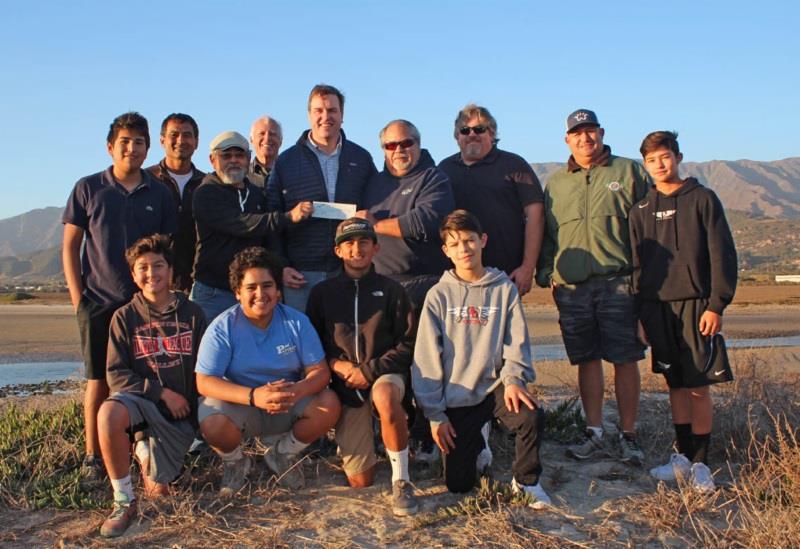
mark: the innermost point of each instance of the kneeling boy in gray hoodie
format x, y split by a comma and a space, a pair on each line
472, 360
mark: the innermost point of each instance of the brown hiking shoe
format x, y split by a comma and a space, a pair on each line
120, 518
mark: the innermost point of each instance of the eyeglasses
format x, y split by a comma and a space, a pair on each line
478, 130
394, 145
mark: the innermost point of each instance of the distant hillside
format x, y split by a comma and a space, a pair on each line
766, 245
42, 266
35, 230
769, 189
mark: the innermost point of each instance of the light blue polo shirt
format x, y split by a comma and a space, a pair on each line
235, 349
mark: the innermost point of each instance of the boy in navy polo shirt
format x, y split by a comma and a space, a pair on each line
110, 211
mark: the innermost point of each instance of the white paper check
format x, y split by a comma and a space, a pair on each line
333, 210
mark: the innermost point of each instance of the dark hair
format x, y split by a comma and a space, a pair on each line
459, 220
323, 90
158, 244
129, 121
254, 257
180, 118
660, 140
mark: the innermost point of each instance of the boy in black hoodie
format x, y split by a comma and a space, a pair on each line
366, 325
152, 350
685, 275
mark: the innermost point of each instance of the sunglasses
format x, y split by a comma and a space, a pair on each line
394, 145
478, 130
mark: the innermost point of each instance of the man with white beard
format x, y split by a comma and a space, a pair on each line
231, 214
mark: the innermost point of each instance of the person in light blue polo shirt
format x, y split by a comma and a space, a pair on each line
261, 370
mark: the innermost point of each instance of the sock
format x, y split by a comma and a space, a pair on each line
701, 443
235, 455
627, 435
683, 439
598, 431
399, 461
123, 489
288, 445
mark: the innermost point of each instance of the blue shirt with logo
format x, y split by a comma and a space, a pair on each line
237, 350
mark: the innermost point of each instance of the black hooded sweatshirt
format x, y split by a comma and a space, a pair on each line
682, 247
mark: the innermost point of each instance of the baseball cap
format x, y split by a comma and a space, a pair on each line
228, 140
353, 227
581, 117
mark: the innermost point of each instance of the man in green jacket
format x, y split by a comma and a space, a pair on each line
586, 259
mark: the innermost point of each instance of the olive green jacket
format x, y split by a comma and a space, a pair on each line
586, 219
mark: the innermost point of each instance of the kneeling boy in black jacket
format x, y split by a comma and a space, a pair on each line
366, 325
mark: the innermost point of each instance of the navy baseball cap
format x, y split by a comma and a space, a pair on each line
581, 117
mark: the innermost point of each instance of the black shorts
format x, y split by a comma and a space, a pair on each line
685, 357
93, 323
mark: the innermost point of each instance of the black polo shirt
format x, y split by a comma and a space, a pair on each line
112, 220
496, 189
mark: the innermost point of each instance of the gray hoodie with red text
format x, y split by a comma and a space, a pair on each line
472, 336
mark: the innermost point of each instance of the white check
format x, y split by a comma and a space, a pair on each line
333, 210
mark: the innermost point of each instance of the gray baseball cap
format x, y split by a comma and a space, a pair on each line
581, 117
228, 140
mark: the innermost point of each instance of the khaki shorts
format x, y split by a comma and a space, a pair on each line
250, 420
354, 433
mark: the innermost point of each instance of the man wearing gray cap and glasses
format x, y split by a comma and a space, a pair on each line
231, 214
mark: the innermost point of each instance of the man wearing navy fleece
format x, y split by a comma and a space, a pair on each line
406, 202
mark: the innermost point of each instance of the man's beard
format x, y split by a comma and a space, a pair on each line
232, 176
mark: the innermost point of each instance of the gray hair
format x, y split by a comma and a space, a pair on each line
412, 129
266, 118
482, 113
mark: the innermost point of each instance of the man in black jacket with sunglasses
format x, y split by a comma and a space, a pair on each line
501, 189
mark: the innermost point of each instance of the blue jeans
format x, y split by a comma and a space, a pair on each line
298, 297
212, 300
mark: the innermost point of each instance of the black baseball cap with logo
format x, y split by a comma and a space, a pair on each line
354, 227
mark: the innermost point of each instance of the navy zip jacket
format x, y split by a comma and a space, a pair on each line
682, 247
419, 200
367, 321
296, 177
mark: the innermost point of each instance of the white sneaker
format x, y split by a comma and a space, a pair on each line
535, 491
702, 479
677, 466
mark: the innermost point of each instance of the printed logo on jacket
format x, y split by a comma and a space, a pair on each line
159, 350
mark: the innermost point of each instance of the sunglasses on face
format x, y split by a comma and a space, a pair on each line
394, 145
478, 130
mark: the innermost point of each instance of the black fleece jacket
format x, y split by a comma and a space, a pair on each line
682, 247
367, 321
228, 219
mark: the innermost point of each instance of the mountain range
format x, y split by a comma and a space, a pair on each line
762, 198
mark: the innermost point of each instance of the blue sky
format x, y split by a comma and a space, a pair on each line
724, 74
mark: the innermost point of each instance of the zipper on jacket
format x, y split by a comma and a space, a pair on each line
355, 332
587, 220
